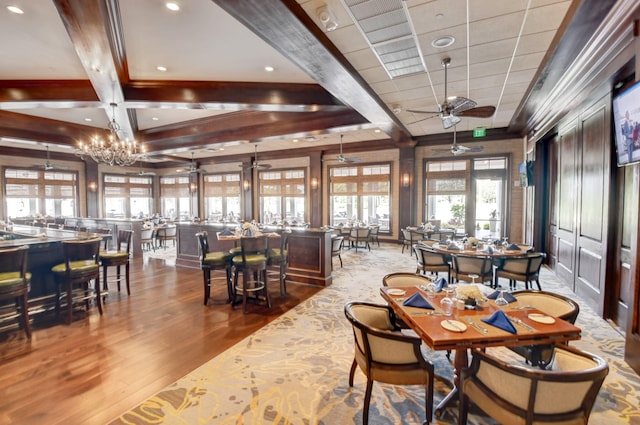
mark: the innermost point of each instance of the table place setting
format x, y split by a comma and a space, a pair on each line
542, 318
453, 325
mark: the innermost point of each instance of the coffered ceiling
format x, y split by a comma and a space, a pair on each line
194, 80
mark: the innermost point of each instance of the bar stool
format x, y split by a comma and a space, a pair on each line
278, 258
251, 261
117, 258
214, 261
81, 265
14, 282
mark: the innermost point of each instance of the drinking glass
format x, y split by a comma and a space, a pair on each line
501, 300
446, 304
430, 289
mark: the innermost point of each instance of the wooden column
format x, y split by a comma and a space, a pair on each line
316, 186
91, 190
406, 198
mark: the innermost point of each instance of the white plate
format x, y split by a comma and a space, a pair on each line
542, 318
395, 291
453, 325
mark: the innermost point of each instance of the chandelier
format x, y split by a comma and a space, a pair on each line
111, 151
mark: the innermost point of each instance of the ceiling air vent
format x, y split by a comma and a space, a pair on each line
389, 31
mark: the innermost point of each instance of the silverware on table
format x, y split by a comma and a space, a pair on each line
454, 325
426, 313
521, 323
482, 329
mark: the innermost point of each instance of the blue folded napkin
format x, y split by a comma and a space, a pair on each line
453, 247
417, 300
420, 228
436, 228
488, 250
226, 232
440, 283
501, 321
507, 296
248, 232
513, 247
443, 241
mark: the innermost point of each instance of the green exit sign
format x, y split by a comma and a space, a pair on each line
479, 132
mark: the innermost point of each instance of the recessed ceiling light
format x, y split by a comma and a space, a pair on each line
15, 9
220, 149
295, 140
310, 138
161, 68
155, 118
88, 119
377, 130
269, 68
444, 41
172, 6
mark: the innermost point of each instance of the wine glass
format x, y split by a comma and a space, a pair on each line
501, 300
430, 289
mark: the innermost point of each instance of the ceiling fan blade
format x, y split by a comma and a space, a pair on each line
415, 111
460, 104
424, 119
479, 112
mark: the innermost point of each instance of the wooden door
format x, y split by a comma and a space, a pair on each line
593, 205
568, 151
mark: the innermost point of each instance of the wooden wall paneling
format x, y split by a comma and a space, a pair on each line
594, 205
315, 195
552, 188
406, 194
622, 254
568, 166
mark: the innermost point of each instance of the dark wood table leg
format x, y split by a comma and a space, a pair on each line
461, 361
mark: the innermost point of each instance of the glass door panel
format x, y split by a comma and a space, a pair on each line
488, 214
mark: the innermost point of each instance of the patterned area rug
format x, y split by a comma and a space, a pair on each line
295, 370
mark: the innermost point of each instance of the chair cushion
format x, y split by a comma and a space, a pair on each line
113, 254
77, 267
251, 259
12, 278
216, 258
235, 250
276, 254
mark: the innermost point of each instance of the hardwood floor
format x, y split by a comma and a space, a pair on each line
98, 367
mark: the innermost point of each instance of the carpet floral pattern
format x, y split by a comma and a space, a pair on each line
295, 370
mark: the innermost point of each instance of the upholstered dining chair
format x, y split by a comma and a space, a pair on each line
336, 249
521, 268
405, 279
81, 265
117, 258
430, 260
14, 283
374, 235
359, 237
252, 263
147, 239
514, 394
384, 354
464, 266
218, 261
550, 303
165, 234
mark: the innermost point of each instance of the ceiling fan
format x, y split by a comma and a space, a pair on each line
193, 168
344, 159
457, 149
257, 165
455, 107
141, 172
48, 166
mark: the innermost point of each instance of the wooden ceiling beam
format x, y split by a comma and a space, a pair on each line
287, 28
251, 95
43, 130
93, 28
238, 127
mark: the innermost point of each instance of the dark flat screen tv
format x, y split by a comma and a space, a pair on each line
626, 119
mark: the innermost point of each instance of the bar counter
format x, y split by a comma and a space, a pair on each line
45, 251
309, 250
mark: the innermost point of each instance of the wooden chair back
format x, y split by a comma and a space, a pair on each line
405, 279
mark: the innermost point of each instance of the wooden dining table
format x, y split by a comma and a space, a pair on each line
430, 326
497, 252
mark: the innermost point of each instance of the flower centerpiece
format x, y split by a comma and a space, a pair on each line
469, 294
473, 242
247, 229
